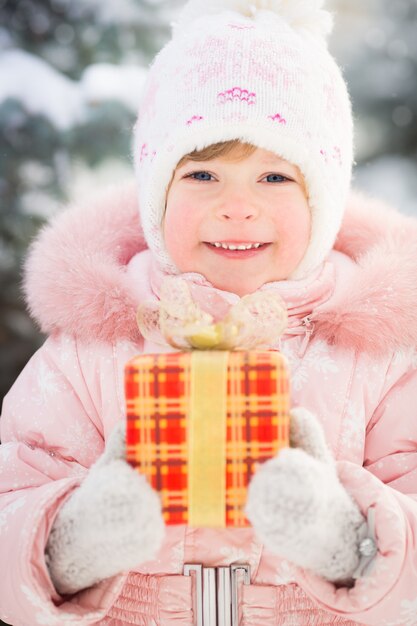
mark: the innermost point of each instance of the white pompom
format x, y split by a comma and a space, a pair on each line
307, 15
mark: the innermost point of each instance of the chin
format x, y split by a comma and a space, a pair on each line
239, 290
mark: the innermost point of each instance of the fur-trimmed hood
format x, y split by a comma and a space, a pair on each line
75, 275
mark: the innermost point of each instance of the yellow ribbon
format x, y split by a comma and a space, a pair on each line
207, 440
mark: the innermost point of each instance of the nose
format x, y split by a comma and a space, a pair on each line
238, 208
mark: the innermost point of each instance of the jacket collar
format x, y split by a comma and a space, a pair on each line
76, 277
301, 297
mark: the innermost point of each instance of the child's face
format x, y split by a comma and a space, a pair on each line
258, 199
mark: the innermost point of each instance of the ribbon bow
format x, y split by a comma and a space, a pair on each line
256, 321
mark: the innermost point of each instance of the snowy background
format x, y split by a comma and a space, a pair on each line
71, 73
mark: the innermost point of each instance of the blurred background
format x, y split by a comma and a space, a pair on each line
71, 73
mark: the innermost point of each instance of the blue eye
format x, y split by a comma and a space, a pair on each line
202, 176
276, 178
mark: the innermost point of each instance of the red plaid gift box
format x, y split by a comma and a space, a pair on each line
199, 423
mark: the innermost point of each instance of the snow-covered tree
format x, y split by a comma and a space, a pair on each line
376, 44
71, 73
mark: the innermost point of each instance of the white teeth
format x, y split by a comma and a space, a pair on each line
232, 246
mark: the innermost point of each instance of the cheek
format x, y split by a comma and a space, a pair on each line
294, 230
179, 231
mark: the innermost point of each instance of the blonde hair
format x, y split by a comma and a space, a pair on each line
233, 149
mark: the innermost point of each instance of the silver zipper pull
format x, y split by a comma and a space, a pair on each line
309, 326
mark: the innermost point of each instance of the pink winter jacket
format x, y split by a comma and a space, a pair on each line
356, 370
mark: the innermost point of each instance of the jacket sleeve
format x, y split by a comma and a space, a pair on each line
387, 482
51, 433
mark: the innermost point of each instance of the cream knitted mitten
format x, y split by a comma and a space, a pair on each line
110, 524
301, 511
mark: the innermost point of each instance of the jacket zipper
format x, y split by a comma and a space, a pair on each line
309, 326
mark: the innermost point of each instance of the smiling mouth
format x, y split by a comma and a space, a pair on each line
236, 245
237, 250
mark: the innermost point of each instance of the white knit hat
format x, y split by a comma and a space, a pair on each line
258, 71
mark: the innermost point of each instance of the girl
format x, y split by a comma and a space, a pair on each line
243, 150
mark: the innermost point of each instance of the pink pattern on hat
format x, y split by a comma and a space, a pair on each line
143, 152
235, 116
324, 155
207, 66
337, 155
202, 73
277, 118
236, 93
194, 118
332, 103
148, 105
199, 49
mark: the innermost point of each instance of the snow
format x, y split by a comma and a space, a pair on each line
104, 81
86, 181
126, 12
43, 90
40, 88
391, 178
39, 203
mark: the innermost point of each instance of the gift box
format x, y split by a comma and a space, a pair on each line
198, 425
